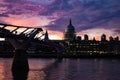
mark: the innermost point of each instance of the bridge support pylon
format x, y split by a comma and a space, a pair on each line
20, 61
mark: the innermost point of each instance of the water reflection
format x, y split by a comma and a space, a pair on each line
1, 70
5, 69
37, 75
65, 69
41, 71
84, 69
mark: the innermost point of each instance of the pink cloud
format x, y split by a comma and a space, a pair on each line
56, 35
23, 20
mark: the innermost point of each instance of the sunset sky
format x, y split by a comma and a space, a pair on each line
92, 17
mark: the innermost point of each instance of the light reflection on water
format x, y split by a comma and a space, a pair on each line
5, 66
38, 67
66, 69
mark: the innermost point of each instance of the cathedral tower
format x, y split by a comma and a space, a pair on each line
46, 36
70, 33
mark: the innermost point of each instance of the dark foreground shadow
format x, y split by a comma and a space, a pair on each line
20, 66
20, 75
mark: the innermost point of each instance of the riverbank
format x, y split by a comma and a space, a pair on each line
37, 55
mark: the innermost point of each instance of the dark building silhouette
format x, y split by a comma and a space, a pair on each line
111, 38
117, 38
86, 37
94, 39
79, 38
103, 37
70, 33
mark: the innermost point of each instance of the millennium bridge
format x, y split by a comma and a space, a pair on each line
22, 38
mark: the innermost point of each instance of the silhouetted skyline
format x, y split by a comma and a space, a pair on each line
92, 17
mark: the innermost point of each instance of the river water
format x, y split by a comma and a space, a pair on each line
65, 69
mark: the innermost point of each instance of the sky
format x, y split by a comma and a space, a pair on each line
92, 17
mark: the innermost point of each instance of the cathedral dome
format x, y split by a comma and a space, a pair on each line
70, 27
70, 33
